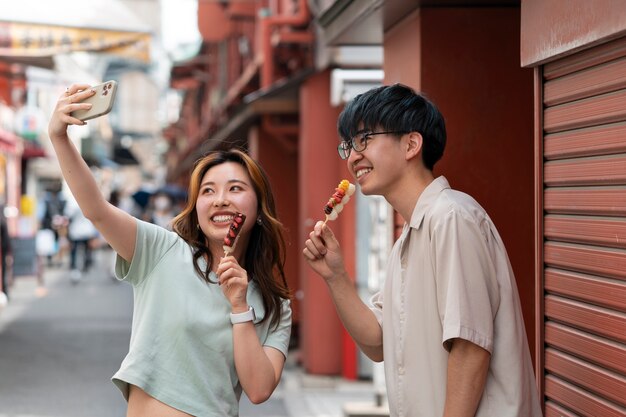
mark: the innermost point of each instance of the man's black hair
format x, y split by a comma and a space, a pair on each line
396, 108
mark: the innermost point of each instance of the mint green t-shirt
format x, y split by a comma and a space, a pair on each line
181, 345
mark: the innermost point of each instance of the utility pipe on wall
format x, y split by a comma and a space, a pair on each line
265, 33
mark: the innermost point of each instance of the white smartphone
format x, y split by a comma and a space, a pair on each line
102, 101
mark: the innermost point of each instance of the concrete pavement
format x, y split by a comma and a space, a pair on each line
60, 346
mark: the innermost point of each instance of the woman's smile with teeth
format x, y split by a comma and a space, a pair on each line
362, 172
222, 218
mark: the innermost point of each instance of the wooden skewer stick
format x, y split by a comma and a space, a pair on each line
230, 249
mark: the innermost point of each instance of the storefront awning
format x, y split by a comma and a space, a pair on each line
33, 150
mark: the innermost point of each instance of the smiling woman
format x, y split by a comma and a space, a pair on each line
224, 185
205, 327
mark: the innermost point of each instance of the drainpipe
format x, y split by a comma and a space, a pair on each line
299, 19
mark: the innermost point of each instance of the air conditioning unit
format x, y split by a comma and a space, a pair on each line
345, 84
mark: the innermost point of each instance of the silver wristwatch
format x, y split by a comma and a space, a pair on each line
243, 317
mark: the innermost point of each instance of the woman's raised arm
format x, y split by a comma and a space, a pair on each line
117, 227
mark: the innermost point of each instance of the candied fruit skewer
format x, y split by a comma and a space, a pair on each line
232, 235
340, 197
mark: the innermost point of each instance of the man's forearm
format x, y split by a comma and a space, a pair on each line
356, 317
468, 365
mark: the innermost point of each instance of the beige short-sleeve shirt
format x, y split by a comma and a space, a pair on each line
449, 277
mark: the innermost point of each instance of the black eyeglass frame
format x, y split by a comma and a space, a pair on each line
345, 148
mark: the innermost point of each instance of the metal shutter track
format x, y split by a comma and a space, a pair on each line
584, 226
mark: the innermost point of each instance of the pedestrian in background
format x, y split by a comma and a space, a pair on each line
81, 234
206, 326
161, 210
53, 225
448, 322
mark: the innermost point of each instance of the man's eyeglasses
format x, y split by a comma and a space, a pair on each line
359, 142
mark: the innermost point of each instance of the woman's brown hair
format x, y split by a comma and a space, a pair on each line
265, 255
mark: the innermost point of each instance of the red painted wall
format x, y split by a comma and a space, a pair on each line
469, 66
322, 335
12, 76
5, 87
403, 50
282, 170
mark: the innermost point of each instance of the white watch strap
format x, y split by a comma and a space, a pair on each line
243, 317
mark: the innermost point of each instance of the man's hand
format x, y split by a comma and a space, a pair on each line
323, 253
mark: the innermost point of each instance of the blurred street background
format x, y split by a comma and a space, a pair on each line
193, 76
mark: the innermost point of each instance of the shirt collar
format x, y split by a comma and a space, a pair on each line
426, 199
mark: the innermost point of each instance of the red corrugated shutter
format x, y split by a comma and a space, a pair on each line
584, 230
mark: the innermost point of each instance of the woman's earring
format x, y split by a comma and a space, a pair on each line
259, 221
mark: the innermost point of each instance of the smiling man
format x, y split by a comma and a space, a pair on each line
448, 323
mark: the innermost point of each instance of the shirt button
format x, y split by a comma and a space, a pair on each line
401, 370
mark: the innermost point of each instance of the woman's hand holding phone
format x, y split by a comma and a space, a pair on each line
102, 101
68, 102
79, 103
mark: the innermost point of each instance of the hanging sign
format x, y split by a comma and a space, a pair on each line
35, 40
